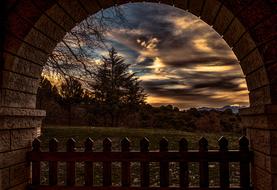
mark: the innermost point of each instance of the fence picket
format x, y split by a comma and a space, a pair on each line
36, 164
88, 165
203, 164
164, 165
224, 164
70, 166
107, 168
144, 166
53, 166
183, 156
184, 177
244, 163
125, 166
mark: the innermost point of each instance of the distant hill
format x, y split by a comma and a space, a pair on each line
235, 109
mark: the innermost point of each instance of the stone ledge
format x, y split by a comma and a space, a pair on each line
22, 112
259, 110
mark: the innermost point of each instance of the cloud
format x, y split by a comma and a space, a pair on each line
180, 59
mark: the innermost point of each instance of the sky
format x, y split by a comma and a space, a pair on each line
179, 58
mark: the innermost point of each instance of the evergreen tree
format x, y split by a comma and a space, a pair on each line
115, 87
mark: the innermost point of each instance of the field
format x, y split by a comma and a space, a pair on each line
154, 136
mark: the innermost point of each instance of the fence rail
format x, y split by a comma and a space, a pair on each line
184, 156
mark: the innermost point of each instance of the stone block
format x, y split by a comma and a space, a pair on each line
19, 174
5, 141
24, 67
20, 122
271, 72
223, 20
60, 18
210, 10
236, 6
21, 138
266, 30
74, 9
234, 32
244, 46
195, 7
257, 121
257, 79
262, 179
181, 4
251, 62
110, 3
12, 98
4, 178
11, 44
12, 158
269, 51
42, 41
20, 83
22, 186
260, 96
50, 28
91, 6
38, 56
260, 140
18, 26
28, 10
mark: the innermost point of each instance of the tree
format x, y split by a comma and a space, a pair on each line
71, 93
74, 55
45, 92
115, 87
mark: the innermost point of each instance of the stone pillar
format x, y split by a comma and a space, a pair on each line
18, 127
261, 127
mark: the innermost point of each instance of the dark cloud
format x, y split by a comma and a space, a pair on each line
185, 47
212, 61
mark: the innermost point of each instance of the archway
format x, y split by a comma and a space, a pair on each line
34, 28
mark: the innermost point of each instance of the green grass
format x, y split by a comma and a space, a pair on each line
135, 135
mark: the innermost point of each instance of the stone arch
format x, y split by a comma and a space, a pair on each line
33, 28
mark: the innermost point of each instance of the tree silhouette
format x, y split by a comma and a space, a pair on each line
115, 87
71, 93
45, 92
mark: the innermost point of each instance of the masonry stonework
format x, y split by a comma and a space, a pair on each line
248, 26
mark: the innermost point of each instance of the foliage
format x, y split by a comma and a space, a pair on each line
71, 92
45, 92
115, 88
75, 55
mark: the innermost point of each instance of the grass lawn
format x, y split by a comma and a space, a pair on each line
63, 133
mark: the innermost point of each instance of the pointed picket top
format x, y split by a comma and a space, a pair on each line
125, 144
144, 144
243, 143
107, 144
203, 144
36, 145
88, 145
70, 145
164, 145
223, 144
183, 145
53, 145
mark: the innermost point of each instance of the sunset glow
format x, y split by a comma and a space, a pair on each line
179, 59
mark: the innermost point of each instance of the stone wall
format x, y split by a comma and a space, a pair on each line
33, 28
18, 129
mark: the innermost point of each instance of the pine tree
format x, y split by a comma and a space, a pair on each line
116, 87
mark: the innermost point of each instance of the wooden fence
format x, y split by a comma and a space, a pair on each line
203, 156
